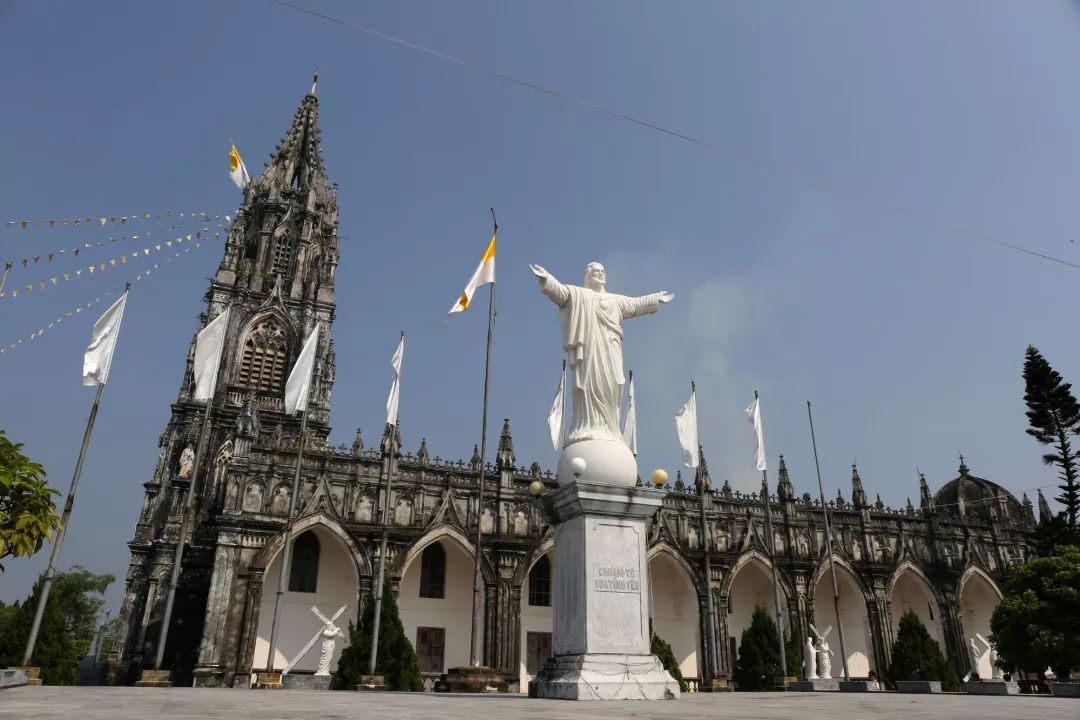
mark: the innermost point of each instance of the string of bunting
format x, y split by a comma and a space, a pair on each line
49, 257
105, 220
80, 308
112, 262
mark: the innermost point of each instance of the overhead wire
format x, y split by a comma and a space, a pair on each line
730, 152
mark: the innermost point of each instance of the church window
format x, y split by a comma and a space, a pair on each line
262, 365
433, 572
304, 573
284, 249
540, 583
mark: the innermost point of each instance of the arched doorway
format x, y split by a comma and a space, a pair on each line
978, 598
536, 618
751, 586
852, 615
673, 607
322, 572
910, 592
435, 604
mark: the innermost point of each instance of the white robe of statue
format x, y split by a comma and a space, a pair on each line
590, 320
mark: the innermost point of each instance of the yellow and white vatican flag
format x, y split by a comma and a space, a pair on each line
629, 430
686, 427
298, 386
237, 170
753, 414
209, 344
99, 353
395, 388
555, 414
485, 273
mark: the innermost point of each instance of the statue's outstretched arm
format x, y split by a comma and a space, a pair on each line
550, 286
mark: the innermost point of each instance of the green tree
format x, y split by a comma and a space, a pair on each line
660, 647
397, 661
54, 652
793, 645
759, 657
1054, 415
917, 656
27, 511
1037, 622
81, 597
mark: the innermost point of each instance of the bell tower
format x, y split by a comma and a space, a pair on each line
276, 278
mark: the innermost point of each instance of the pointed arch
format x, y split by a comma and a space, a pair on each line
972, 570
542, 548
273, 547
665, 548
909, 566
443, 532
264, 353
823, 569
755, 555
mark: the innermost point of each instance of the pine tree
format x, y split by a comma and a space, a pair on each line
759, 658
793, 645
1054, 415
917, 656
397, 661
55, 651
663, 652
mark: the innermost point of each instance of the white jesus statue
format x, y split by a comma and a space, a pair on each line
590, 319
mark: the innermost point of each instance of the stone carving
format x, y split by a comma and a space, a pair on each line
809, 660
976, 655
998, 673
329, 634
590, 319
824, 654
187, 463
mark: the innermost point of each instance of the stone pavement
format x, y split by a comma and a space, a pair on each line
107, 703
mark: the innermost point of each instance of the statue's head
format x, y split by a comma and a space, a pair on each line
595, 278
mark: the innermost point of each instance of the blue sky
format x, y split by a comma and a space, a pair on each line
908, 337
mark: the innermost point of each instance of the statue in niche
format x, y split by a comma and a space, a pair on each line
232, 490
187, 463
247, 422
363, 509
824, 654
279, 505
809, 660
253, 498
590, 320
521, 523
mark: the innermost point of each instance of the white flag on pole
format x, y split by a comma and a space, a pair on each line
753, 414
208, 346
555, 414
629, 430
99, 353
298, 386
395, 387
686, 427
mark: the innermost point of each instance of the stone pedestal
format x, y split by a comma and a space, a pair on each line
816, 685
991, 687
371, 683
267, 680
923, 687
601, 643
303, 681
13, 677
32, 673
1065, 689
860, 686
155, 678
473, 679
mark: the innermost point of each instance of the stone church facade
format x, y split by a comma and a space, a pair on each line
945, 559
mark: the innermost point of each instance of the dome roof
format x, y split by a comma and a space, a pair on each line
975, 497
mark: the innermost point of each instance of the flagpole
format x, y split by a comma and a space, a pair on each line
388, 462
772, 558
828, 545
50, 572
474, 659
284, 567
185, 524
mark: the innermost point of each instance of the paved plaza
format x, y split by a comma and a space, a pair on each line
112, 703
